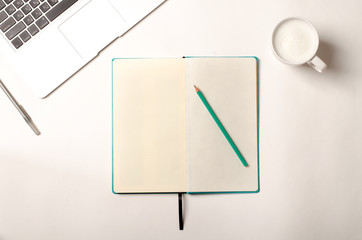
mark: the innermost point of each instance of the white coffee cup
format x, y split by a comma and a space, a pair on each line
295, 42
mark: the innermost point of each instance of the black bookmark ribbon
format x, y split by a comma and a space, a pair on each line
180, 218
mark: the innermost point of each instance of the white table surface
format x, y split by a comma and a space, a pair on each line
58, 185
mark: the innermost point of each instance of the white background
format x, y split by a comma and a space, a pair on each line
58, 185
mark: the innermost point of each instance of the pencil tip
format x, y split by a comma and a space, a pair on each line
196, 88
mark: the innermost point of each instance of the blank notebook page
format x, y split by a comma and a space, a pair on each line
230, 87
149, 125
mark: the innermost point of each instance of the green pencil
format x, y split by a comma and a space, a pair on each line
223, 130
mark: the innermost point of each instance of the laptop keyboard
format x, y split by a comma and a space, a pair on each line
20, 20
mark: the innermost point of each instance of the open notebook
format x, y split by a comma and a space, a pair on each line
164, 139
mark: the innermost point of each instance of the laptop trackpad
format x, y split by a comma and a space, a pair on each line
93, 27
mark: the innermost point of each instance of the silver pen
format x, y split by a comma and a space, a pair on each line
20, 108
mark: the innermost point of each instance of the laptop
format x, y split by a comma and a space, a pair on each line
47, 41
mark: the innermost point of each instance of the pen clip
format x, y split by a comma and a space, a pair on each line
29, 121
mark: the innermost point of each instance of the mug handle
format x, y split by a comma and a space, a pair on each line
317, 64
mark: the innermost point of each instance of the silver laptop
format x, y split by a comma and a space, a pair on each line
47, 41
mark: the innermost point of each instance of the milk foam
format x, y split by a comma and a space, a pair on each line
295, 41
